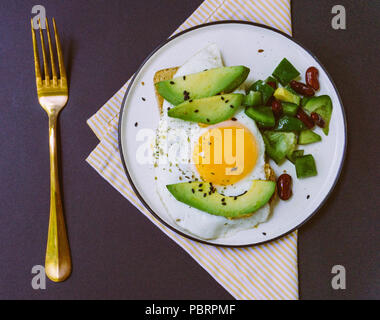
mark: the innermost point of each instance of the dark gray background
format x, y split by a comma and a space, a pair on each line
117, 253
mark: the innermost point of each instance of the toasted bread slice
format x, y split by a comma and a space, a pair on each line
167, 74
162, 75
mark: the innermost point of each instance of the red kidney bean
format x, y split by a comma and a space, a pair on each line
312, 75
272, 84
284, 186
303, 116
302, 88
318, 120
269, 103
277, 108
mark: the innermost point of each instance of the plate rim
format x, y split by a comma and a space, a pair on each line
157, 216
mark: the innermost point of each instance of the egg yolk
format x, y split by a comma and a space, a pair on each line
225, 154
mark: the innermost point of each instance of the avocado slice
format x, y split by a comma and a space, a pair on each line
204, 196
323, 106
285, 95
210, 110
202, 84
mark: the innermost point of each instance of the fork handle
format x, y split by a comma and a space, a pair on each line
58, 259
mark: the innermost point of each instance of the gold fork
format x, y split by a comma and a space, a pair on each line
53, 96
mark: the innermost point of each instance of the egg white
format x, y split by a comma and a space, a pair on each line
173, 166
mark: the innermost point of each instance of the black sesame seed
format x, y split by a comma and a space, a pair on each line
184, 77
224, 199
264, 234
204, 195
201, 185
192, 190
196, 111
208, 120
234, 119
308, 197
222, 98
227, 101
235, 198
231, 106
224, 204
172, 82
186, 95
136, 124
200, 190
143, 99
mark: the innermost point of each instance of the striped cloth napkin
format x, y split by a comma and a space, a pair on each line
266, 272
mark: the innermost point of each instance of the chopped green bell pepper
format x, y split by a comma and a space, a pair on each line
294, 155
285, 72
262, 115
289, 109
252, 99
323, 106
308, 137
265, 89
278, 145
305, 166
287, 124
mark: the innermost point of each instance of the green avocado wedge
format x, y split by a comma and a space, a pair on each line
323, 106
202, 84
210, 110
285, 95
204, 197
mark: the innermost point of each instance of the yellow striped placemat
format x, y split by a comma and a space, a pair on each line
268, 271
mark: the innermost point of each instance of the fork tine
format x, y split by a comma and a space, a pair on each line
62, 70
53, 69
46, 70
36, 56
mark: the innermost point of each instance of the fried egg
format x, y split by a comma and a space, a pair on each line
230, 155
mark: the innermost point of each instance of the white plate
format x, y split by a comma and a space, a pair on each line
239, 44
